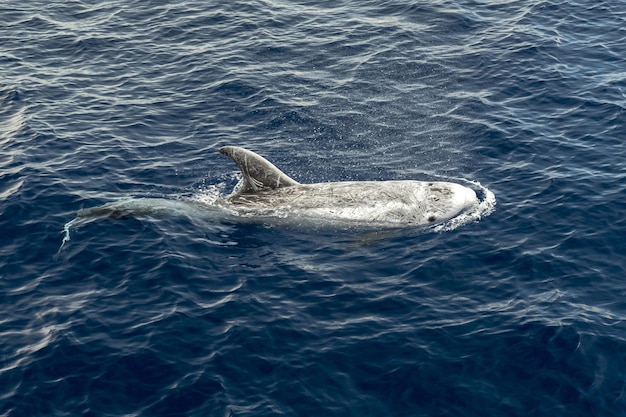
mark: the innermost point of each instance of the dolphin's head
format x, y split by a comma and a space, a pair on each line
462, 198
470, 198
448, 200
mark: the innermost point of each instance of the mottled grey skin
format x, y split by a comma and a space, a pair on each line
268, 195
266, 191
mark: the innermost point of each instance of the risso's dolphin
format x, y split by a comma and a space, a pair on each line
265, 194
266, 191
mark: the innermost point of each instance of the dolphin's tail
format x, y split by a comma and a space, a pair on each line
138, 207
132, 208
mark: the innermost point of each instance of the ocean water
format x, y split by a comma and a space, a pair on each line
518, 312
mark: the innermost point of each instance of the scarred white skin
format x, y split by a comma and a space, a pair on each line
266, 191
266, 194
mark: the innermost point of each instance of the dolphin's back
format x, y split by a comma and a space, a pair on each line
369, 202
268, 192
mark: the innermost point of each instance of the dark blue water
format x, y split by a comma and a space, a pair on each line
519, 313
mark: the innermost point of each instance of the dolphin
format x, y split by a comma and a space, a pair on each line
266, 191
266, 194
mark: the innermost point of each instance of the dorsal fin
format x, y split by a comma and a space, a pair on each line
258, 173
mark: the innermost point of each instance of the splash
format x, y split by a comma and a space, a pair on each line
72, 224
66, 233
209, 195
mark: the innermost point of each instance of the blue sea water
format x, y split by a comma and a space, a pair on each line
520, 312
